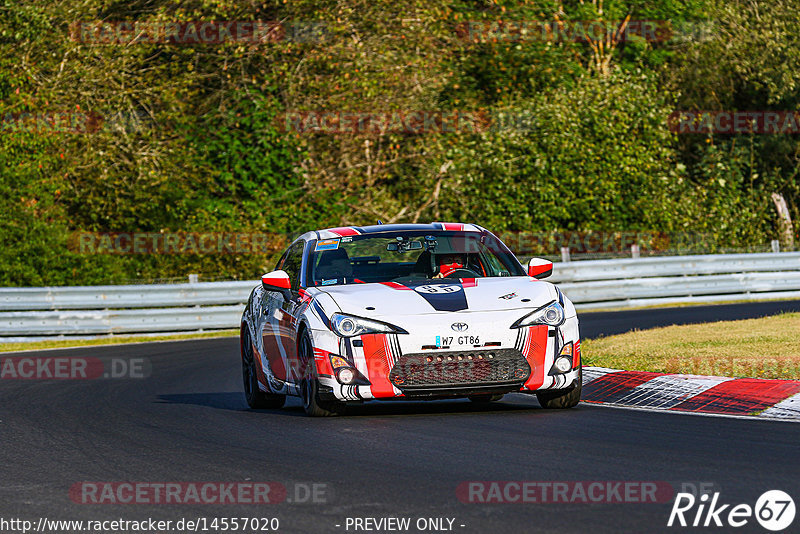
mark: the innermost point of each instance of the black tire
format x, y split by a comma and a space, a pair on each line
255, 398
560, 398
309, 385
485, 399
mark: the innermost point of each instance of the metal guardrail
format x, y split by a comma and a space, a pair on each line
119, 321
98, 310
138, 296
592, 270
679, 279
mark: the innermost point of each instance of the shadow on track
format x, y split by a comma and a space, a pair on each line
234, 401
221, 401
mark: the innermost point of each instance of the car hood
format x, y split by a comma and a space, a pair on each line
392, 299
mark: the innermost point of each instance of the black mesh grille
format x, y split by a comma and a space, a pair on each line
471, 367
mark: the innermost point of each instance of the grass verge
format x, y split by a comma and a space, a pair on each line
768, 347
116, 340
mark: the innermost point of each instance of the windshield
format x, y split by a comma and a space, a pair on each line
409, 256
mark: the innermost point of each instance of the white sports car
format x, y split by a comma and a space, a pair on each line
407, 311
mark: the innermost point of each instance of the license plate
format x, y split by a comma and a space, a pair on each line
465, 340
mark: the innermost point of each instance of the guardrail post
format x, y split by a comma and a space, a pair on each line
565, 254
193, 278
634, 251
776, 245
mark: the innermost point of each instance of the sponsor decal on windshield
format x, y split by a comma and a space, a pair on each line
327, 244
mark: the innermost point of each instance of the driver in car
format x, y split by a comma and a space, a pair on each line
448, 264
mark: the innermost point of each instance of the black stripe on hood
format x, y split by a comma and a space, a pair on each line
442, 296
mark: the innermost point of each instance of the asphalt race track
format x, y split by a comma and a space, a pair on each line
188, 421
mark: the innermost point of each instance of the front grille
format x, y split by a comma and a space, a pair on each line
462, 368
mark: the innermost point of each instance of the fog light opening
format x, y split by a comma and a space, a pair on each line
346, 375
563, 364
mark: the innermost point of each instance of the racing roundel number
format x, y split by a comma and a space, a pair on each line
438, 289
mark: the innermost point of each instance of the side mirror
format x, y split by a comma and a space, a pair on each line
276, 281
539, 268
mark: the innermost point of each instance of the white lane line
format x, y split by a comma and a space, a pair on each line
694, 414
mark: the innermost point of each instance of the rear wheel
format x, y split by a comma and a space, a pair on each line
253, 395
309, 385
485, 399
560, 398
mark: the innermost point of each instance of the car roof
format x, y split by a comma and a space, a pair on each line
342, 231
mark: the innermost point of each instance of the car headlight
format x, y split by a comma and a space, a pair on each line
551, 314
350, 326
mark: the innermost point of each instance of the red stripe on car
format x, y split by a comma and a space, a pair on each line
271, 348
344, 231
395, 285
323, 362
535, 351
376, 353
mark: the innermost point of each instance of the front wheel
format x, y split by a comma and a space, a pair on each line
253, 395
309, 385
560, 398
